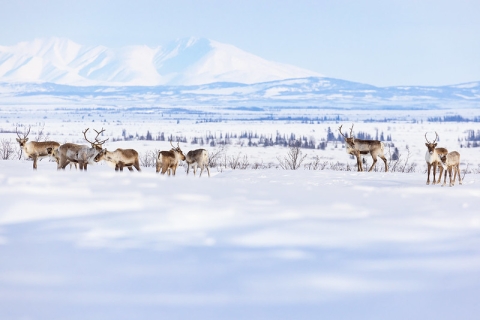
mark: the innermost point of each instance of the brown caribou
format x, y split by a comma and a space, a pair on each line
75, 153
120, 158
168, 160
432, 157
357, 147
198, 158
449, 162
35, 150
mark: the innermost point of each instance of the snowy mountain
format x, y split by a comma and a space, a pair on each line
182, 62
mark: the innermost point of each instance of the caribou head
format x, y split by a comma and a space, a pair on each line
431, 145
178, 150
349, 141
20, 140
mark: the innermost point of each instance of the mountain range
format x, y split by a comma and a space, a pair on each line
316, 92
188, 61
195, 72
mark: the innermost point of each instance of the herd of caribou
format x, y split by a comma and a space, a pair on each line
435, 157
82, 155
167, 161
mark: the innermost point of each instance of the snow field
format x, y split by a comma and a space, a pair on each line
242, 244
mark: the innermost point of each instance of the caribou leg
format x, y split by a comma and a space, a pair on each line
208, 170
428, 171
445, 178
440, 169
164, 169
137, 165
373, 164
450, 176
34, 157
459, 178
359, 161
385, 161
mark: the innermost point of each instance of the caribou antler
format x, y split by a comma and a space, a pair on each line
426, 137
25, 135
97, 142
85, 135
436, 137
351, 133
340, 130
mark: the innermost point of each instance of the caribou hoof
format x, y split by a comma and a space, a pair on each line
428, 182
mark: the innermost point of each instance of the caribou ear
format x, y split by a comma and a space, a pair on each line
18, 140
426, 144
435, 145
26, 139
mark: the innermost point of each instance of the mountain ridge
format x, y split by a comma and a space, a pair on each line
321, 92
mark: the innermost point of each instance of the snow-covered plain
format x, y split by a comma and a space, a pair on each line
243, 244
249, 244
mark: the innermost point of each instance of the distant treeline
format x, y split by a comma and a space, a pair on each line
253, 139
472, 140
454, 118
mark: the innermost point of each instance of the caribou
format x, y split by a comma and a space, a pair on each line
357, 147
120, 158
198, 158
75, 153
168, 160
35, 150
433, 158
451, 161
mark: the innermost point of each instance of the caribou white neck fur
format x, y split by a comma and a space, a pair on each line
431, 157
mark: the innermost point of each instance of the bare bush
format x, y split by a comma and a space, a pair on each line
41, 135
148, 158
339, 166
401, 164
234, 161
245, 163
258, 165
468, 170
7, 149
316, 164
215, 156
293, 160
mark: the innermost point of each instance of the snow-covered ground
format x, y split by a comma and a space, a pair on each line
243, 244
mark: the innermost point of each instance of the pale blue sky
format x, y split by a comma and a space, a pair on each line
378, 42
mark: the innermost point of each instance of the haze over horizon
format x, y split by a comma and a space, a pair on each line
375, 42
